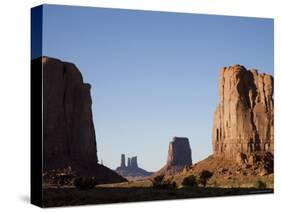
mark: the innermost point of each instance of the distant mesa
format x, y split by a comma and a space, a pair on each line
132, 171
179, 157
243, 121
69, 138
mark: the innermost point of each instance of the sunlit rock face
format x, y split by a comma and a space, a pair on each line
244, 118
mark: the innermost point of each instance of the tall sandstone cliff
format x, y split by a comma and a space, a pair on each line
68, 130
243, 120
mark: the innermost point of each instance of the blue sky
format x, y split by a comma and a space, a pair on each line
153, 74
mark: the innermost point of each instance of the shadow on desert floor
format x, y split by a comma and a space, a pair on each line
71, 196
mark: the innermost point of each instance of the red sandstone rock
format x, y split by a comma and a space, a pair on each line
179, 153
244, 121
68, 130
179, 157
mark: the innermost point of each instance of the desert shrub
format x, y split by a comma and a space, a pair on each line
159, 182
260, 184
61, 180
64, 179
59, 177
268, 162
190, 181
174, 185
205, 175
85, 183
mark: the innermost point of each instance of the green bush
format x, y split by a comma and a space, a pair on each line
205, 175
260, 184
158, 182
190, 181
85, 183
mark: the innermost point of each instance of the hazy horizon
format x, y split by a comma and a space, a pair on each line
154, 75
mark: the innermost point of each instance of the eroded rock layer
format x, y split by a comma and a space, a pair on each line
243, 120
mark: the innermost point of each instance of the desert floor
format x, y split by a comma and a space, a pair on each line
71, 196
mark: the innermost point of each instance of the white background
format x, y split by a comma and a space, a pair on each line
15, 102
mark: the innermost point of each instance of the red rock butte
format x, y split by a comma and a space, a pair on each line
179, 157
244, 118
68, 130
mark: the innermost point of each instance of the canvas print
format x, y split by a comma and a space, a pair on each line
132, 105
